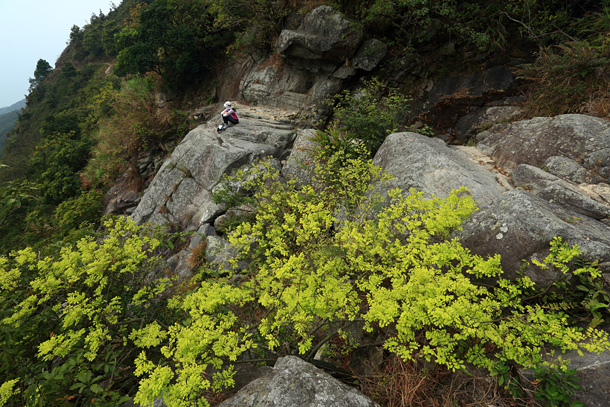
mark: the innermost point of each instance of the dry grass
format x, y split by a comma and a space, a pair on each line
197, 257
137, 125
400, 384
569, 78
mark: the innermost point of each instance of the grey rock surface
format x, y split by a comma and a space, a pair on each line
317, 53
370, 54
324, 34
566, 168
296, 383
584, 139
553, 189
428, 164
484, 117
298, 166
181, 191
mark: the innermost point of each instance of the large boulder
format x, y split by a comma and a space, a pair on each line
429, 165
520, 226
296, 383
299, 167
583, 139
181, 191
325, 34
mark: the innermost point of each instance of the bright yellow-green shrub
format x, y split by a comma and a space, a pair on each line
317, 267
65, 319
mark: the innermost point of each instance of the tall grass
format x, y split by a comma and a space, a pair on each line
135, 125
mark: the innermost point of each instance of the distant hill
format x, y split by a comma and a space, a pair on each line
8, 119
13, 107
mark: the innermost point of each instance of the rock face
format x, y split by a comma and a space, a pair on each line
296, 383
298, 166
463, 105
324, 35
520, 226
181, 191
316, 57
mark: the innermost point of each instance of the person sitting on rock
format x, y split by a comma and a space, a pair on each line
229, 115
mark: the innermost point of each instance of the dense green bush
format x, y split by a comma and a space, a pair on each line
65, 318
256, 23
71, 213
366, 116
570, 78
174, 38
131, 125
476, 25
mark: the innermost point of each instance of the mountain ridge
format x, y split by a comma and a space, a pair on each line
15, 106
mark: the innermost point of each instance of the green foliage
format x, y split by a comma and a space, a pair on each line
367, 116
92, 36
13, 195
65, 319
42, 71
7, 124
7, 390
56, 163
175, 38
73, 212
556, 387
579, 291
257, 23
477, 25
570, 78
322, 259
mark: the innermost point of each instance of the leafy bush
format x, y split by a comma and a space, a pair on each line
257, 23
64, 319
56, 163
367, 116
557, 387
479, 26
316, 267
71, 213
14, 194
174, 38
583, 296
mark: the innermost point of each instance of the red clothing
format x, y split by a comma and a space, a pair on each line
230, 112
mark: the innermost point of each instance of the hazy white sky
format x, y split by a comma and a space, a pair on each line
34, 29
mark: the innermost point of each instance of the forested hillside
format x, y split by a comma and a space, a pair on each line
90, 313
8, 119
